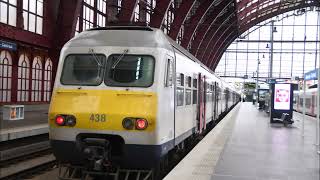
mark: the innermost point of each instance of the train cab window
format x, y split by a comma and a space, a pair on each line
130, 70
83, 69
169, 73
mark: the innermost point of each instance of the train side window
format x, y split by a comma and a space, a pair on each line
189, 81
180, 89
188, 96
182, 79
308, 102
195, 91
169, 73
188, 90
195, 84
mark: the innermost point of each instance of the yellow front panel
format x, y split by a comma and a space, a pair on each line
116, 105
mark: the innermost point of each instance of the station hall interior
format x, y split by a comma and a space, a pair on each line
160, 89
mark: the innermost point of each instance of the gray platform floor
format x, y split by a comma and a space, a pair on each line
260, 151
35, 122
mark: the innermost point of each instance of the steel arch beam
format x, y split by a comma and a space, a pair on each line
215, 40
208, 23
255, 15
255, 5
208, 38
220, 38
127, 11
160, 10
67, 22
222, 47
195, 20
214, 32
228, 42
183, 11
245, 26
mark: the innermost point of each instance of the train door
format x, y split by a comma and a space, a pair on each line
212, 100
201, 120
215, 100
195, 98
168, 95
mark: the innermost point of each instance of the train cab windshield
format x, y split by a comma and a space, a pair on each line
119, 70
129, 70
83, 69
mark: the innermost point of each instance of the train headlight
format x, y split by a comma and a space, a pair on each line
60, 120
71, 120
128, 123
141, 124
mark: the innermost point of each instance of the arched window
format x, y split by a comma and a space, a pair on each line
5, 76
36, 79
47, 79
23, 78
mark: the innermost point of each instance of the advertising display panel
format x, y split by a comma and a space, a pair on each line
281, 103
282, 99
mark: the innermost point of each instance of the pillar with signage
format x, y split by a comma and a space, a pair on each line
281, 103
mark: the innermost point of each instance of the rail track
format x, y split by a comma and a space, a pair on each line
25, 157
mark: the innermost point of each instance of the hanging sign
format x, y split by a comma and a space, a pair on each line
311, 75
8, 45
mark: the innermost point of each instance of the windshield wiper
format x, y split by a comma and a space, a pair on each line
94, 55
119, 59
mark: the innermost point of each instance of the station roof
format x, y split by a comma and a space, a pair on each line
210, 26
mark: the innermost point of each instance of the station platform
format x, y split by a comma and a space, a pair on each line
245, 146
35, 122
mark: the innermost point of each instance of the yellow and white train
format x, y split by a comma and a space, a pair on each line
128, 96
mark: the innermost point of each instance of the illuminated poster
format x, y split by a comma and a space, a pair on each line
282, 96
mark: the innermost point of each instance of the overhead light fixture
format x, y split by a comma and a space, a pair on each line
267, 47
274, 29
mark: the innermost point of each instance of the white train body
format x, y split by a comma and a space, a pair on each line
311, 101
172, 104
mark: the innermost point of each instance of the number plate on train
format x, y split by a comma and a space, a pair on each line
98, 118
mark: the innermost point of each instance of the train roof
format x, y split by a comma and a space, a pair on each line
118, 36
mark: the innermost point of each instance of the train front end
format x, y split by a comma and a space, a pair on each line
104, 108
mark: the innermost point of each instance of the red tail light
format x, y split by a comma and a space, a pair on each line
141, 124
60, 120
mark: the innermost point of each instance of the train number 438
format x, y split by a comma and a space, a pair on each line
98, 118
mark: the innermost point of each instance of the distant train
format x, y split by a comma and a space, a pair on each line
127, 96
311, 101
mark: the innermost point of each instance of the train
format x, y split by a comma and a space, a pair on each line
129, 96
311, 101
